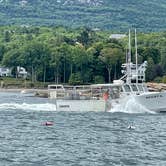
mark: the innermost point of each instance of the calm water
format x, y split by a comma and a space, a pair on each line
77, 138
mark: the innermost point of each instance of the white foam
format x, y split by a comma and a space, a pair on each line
28, 107
125, 105
129, 105
131, 127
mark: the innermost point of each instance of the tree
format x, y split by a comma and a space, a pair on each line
81, 59
150, 72
56, 63
152, 52
75, 79
12, 59
64, 52
2, 51
110, 56
35, 57
163, 58
87, 36
7, 36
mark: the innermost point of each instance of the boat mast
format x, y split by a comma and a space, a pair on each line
128, 81
136, 56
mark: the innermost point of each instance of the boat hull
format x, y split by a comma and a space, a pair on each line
80, 105
154, 101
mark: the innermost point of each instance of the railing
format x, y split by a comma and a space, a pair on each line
82, 92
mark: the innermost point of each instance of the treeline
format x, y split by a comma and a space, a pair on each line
77, 56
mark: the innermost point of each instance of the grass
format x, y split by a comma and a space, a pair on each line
9, 82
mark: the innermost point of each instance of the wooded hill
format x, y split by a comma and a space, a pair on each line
116, 15
79, 56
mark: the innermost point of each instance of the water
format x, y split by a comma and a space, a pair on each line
77, 138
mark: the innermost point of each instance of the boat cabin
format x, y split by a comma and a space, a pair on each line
134, 88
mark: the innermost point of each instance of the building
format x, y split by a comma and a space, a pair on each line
21, 72
117, 36
5, 72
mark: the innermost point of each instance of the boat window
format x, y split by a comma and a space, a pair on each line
55, 86
134, 88
127, 88
140, 88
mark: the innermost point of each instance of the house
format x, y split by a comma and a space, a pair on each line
117, 36
5, 72
21, 72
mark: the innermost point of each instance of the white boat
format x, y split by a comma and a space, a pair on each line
77, 98
132, 84
90, 97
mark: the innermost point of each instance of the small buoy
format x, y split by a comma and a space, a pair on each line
131, 127
48, 123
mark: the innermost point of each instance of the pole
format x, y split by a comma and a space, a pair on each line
129, 62
136, 56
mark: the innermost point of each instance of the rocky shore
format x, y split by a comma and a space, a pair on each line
156, 86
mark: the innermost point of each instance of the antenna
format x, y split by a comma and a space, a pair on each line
136, 56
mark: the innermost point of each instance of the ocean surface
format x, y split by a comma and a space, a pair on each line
78, 138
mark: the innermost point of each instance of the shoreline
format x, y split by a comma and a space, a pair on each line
37, 92
152, 86
22, 89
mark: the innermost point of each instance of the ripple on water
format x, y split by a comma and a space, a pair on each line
79, 138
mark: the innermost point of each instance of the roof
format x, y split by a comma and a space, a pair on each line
117, 36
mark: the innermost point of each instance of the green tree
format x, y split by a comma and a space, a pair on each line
56, 63
110, 57
163, 58
12, 59
75, 79
2, 51
150, 72
35, 57
7, 36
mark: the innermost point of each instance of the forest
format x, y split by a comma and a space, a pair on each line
78, 56
114, 15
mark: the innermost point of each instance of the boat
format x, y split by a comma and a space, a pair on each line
77, 98
132, 85
105, 97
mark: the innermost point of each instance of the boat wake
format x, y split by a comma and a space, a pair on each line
28, 107
129, 105
126, 105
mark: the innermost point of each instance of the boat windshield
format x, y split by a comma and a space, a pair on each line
127, 88
134, 88
140, 88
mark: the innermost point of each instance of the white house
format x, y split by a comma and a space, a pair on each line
117, 36
21, 72
5, 72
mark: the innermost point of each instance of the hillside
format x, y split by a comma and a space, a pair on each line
119, 15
